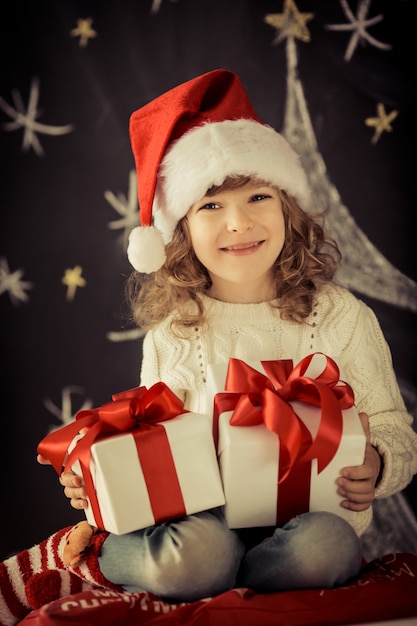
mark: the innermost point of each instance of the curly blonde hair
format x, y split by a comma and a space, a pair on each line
309, 258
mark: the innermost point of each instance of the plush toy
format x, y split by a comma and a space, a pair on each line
77, 543
63, 564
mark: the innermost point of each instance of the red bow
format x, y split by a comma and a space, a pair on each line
137, 410
256, 399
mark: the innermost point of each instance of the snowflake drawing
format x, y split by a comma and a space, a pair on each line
358, 25
127, 208
26, 118
13, 284
65, 413
132, 334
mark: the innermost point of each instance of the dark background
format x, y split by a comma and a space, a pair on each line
59, 196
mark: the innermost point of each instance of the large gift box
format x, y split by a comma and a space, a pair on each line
144, 459
283, 434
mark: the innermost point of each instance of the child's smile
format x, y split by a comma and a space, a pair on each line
243, 248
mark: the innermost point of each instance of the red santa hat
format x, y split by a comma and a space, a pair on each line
191, 138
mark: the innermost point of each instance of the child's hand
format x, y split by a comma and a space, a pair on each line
73, 485
74, 489
41, 459
357, 484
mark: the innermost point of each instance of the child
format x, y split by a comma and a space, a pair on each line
229, 263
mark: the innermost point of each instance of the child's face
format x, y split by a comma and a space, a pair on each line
237, 234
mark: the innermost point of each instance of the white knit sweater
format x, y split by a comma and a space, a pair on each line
341, 326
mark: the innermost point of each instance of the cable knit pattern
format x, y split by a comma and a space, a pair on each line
340, 325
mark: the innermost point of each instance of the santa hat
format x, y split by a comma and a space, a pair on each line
191, 138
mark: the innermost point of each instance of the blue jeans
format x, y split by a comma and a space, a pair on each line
199, 556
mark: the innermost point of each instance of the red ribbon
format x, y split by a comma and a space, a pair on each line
325, 391
137, 411
255, 399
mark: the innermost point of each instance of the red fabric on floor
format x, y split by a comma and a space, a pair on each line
386, 589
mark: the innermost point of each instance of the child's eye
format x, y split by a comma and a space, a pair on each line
259, 196
209, 206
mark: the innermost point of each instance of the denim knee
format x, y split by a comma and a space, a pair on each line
190, 559
196, 564
332, 549
314, 550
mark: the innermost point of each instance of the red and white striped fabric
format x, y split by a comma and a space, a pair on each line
38, 575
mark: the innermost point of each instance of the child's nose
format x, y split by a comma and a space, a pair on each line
239, 220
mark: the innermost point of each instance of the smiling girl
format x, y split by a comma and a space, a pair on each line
230, 263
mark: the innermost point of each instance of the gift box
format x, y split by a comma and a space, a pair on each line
283, 434
144, 460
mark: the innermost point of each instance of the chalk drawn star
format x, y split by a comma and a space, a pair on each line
127, 208
84, 31
65, 413
382, 122
26, 118
358, 25
290, 23
73, 279
12, 283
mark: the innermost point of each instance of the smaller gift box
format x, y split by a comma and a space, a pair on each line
143, 458
283, 434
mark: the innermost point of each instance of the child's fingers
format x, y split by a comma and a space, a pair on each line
41, 459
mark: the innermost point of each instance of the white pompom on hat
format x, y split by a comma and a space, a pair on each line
191, 138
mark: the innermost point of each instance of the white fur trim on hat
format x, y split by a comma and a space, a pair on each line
207, 154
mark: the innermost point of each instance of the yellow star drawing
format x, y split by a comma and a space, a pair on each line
73, 279
84, 31
381, 122
290, 23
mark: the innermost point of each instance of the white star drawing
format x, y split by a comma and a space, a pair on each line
12, 283
126, 207
26, 118
65, 413
358, 25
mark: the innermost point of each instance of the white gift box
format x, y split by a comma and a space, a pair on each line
119, 479
249, 459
